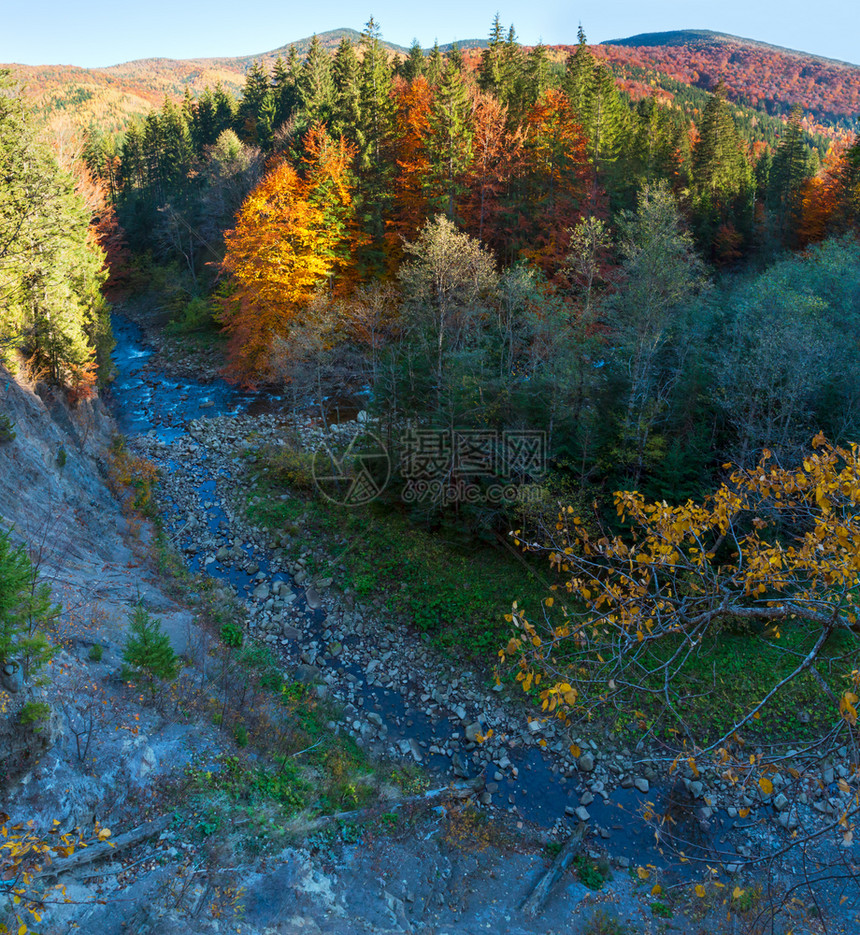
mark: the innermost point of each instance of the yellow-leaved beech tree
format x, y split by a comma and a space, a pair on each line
773, 555
294, 237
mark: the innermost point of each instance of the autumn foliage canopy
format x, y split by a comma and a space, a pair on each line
293, 234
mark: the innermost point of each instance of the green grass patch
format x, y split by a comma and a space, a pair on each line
730, 674
458, 594
591, 873
35, 712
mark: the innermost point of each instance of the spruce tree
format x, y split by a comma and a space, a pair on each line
722, 182
719, 162
188, 107
413, 65
153, 156
579, 78
132, 165
435, 65
203, 122
450, 146
316, 89
490, 69
148, 655
455, 57
607, 118
176, 147
788, 171
224, 110
346, 72
511, 86
255, 95
284, 90
537, 74
374, 130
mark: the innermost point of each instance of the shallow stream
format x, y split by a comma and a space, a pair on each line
146, 400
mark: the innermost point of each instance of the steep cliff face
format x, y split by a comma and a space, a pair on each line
52, 486
55, 500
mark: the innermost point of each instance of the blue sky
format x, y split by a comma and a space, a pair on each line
103, 32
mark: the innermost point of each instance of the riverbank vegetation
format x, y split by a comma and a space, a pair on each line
529, 279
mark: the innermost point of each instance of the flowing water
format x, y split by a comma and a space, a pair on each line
145, 400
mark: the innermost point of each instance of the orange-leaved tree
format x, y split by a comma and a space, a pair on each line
826, 198
293, 236
497, 152
557, 179
773, 554
412, 131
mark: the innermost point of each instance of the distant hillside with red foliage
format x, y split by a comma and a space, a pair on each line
753, 72
112, 97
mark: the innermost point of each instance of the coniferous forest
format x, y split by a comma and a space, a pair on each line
500, 239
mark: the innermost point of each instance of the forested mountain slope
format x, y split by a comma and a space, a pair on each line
763, 76
753, 72
110, 97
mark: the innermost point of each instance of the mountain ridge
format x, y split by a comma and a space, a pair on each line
329, 40
755, 73
112, 95
676, 37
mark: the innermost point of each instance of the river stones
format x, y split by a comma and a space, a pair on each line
586, 763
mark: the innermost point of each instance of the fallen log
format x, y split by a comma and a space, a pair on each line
534, 902
110, 847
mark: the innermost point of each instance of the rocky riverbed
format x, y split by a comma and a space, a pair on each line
399, 697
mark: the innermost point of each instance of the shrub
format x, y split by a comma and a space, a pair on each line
231, 635
35, 712
25, 608
241, 736
291, 467
15, 577
132, 479
590, 873
148, 654
601, 923
195, 316
7, 426
95, 653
